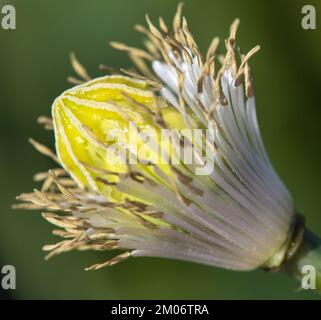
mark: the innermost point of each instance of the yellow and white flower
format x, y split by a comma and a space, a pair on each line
238, 215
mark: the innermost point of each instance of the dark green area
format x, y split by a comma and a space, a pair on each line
33, 68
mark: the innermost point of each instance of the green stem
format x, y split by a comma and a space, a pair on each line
308, 253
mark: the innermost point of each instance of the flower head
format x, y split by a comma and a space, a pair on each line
224, 207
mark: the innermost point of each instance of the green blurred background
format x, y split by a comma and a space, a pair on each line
33, 67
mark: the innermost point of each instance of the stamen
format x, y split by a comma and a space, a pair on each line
44, 150
110, 262
78, 67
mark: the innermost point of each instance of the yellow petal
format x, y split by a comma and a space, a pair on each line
85, 115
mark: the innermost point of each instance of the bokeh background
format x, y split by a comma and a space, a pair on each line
33, 67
